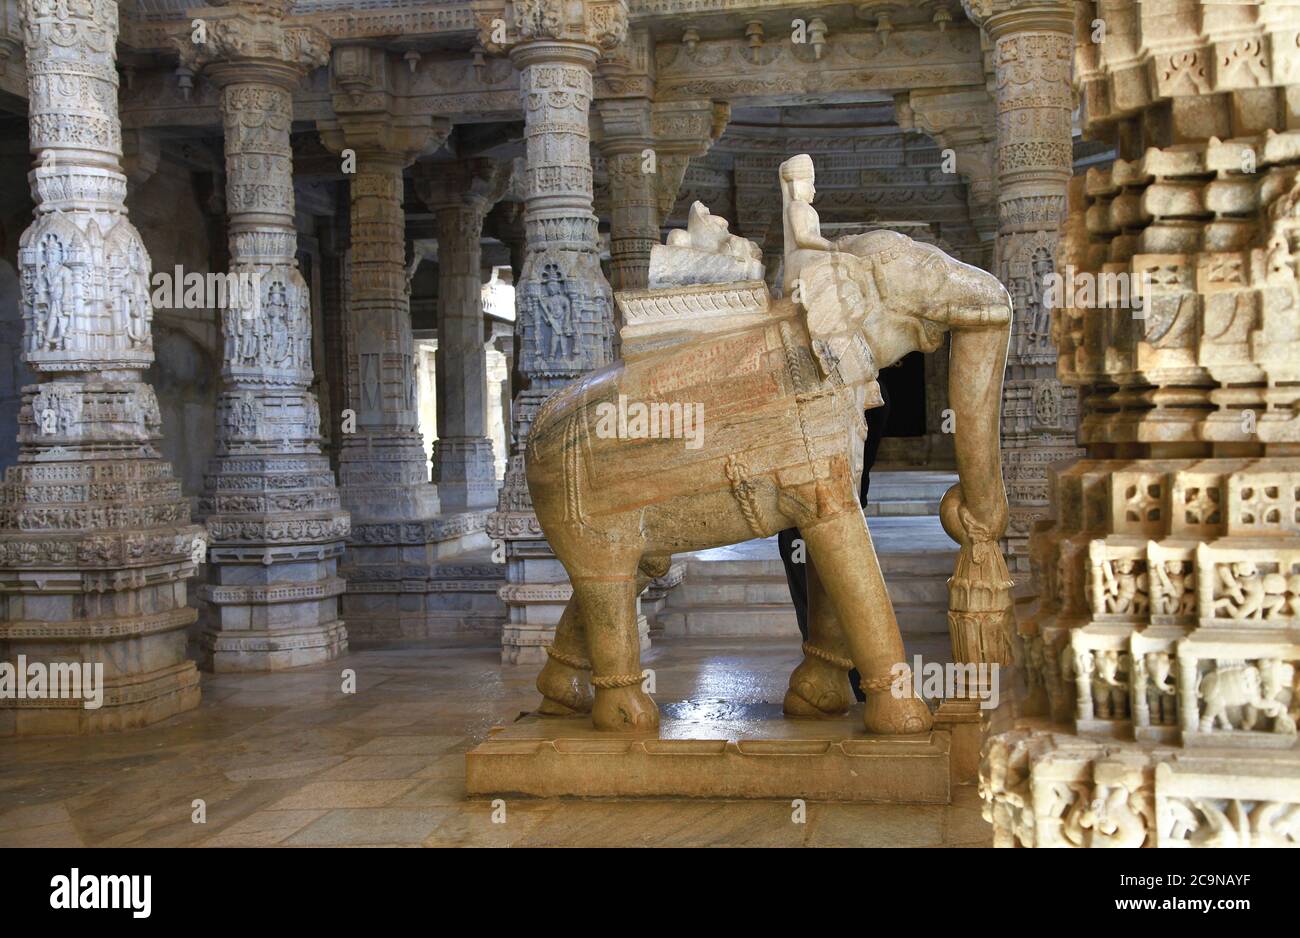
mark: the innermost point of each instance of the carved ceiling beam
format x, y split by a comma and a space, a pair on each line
460, 21
848, 68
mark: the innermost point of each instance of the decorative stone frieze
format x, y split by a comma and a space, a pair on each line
96, 541
272, 509
734, 70
1164, 635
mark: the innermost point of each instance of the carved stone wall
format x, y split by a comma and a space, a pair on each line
1165, 635
96, 541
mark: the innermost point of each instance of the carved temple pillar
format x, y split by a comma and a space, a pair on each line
564, 308
272, 510
398, 530
96, 541
631, 163
1032, 52
647, 149
461, 195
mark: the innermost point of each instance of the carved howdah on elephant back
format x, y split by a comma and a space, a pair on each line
734, 415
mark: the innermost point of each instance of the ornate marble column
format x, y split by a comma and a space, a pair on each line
962, 120
461, 195
564, 305
647, 148
269, 498
631, 163
398, 532
1032, 44
95, 538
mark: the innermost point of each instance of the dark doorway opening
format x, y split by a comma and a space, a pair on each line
905, 384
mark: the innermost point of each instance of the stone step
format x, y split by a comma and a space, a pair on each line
707, 589
741, 590
898, 494
778, 619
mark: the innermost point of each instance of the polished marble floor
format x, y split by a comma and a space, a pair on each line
290, 760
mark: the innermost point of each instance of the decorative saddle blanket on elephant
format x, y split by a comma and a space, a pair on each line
746, 410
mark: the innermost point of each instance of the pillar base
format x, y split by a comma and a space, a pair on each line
408, 580
271, 649
130, 701
465, 471
273, 588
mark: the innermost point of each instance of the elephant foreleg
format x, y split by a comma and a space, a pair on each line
608, 605
850, 573
817, 686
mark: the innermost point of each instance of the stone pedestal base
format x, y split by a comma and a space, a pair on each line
130, 701
405, 581
465, 471
961, 720
712, 749
536, 591
272, 649
655, 598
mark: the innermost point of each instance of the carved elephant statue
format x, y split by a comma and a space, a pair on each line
1246, 686
783, 402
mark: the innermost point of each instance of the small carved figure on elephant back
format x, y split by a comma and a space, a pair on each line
781, 386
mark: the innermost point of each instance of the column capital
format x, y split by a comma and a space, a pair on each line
1001, 17
601, 24
250, 41
465, 185
965, 122
367, 116
623, 125
382, 135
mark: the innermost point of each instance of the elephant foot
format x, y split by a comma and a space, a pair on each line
563, 685
892, 710
817, 686
623, 707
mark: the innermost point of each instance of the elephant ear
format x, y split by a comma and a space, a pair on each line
838, 292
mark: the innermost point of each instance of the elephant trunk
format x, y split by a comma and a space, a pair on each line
974, 512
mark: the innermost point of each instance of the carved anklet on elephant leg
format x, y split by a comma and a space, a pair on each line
891, 709
563, 685
817, 685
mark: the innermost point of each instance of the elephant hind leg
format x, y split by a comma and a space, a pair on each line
817, 685
563, 681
